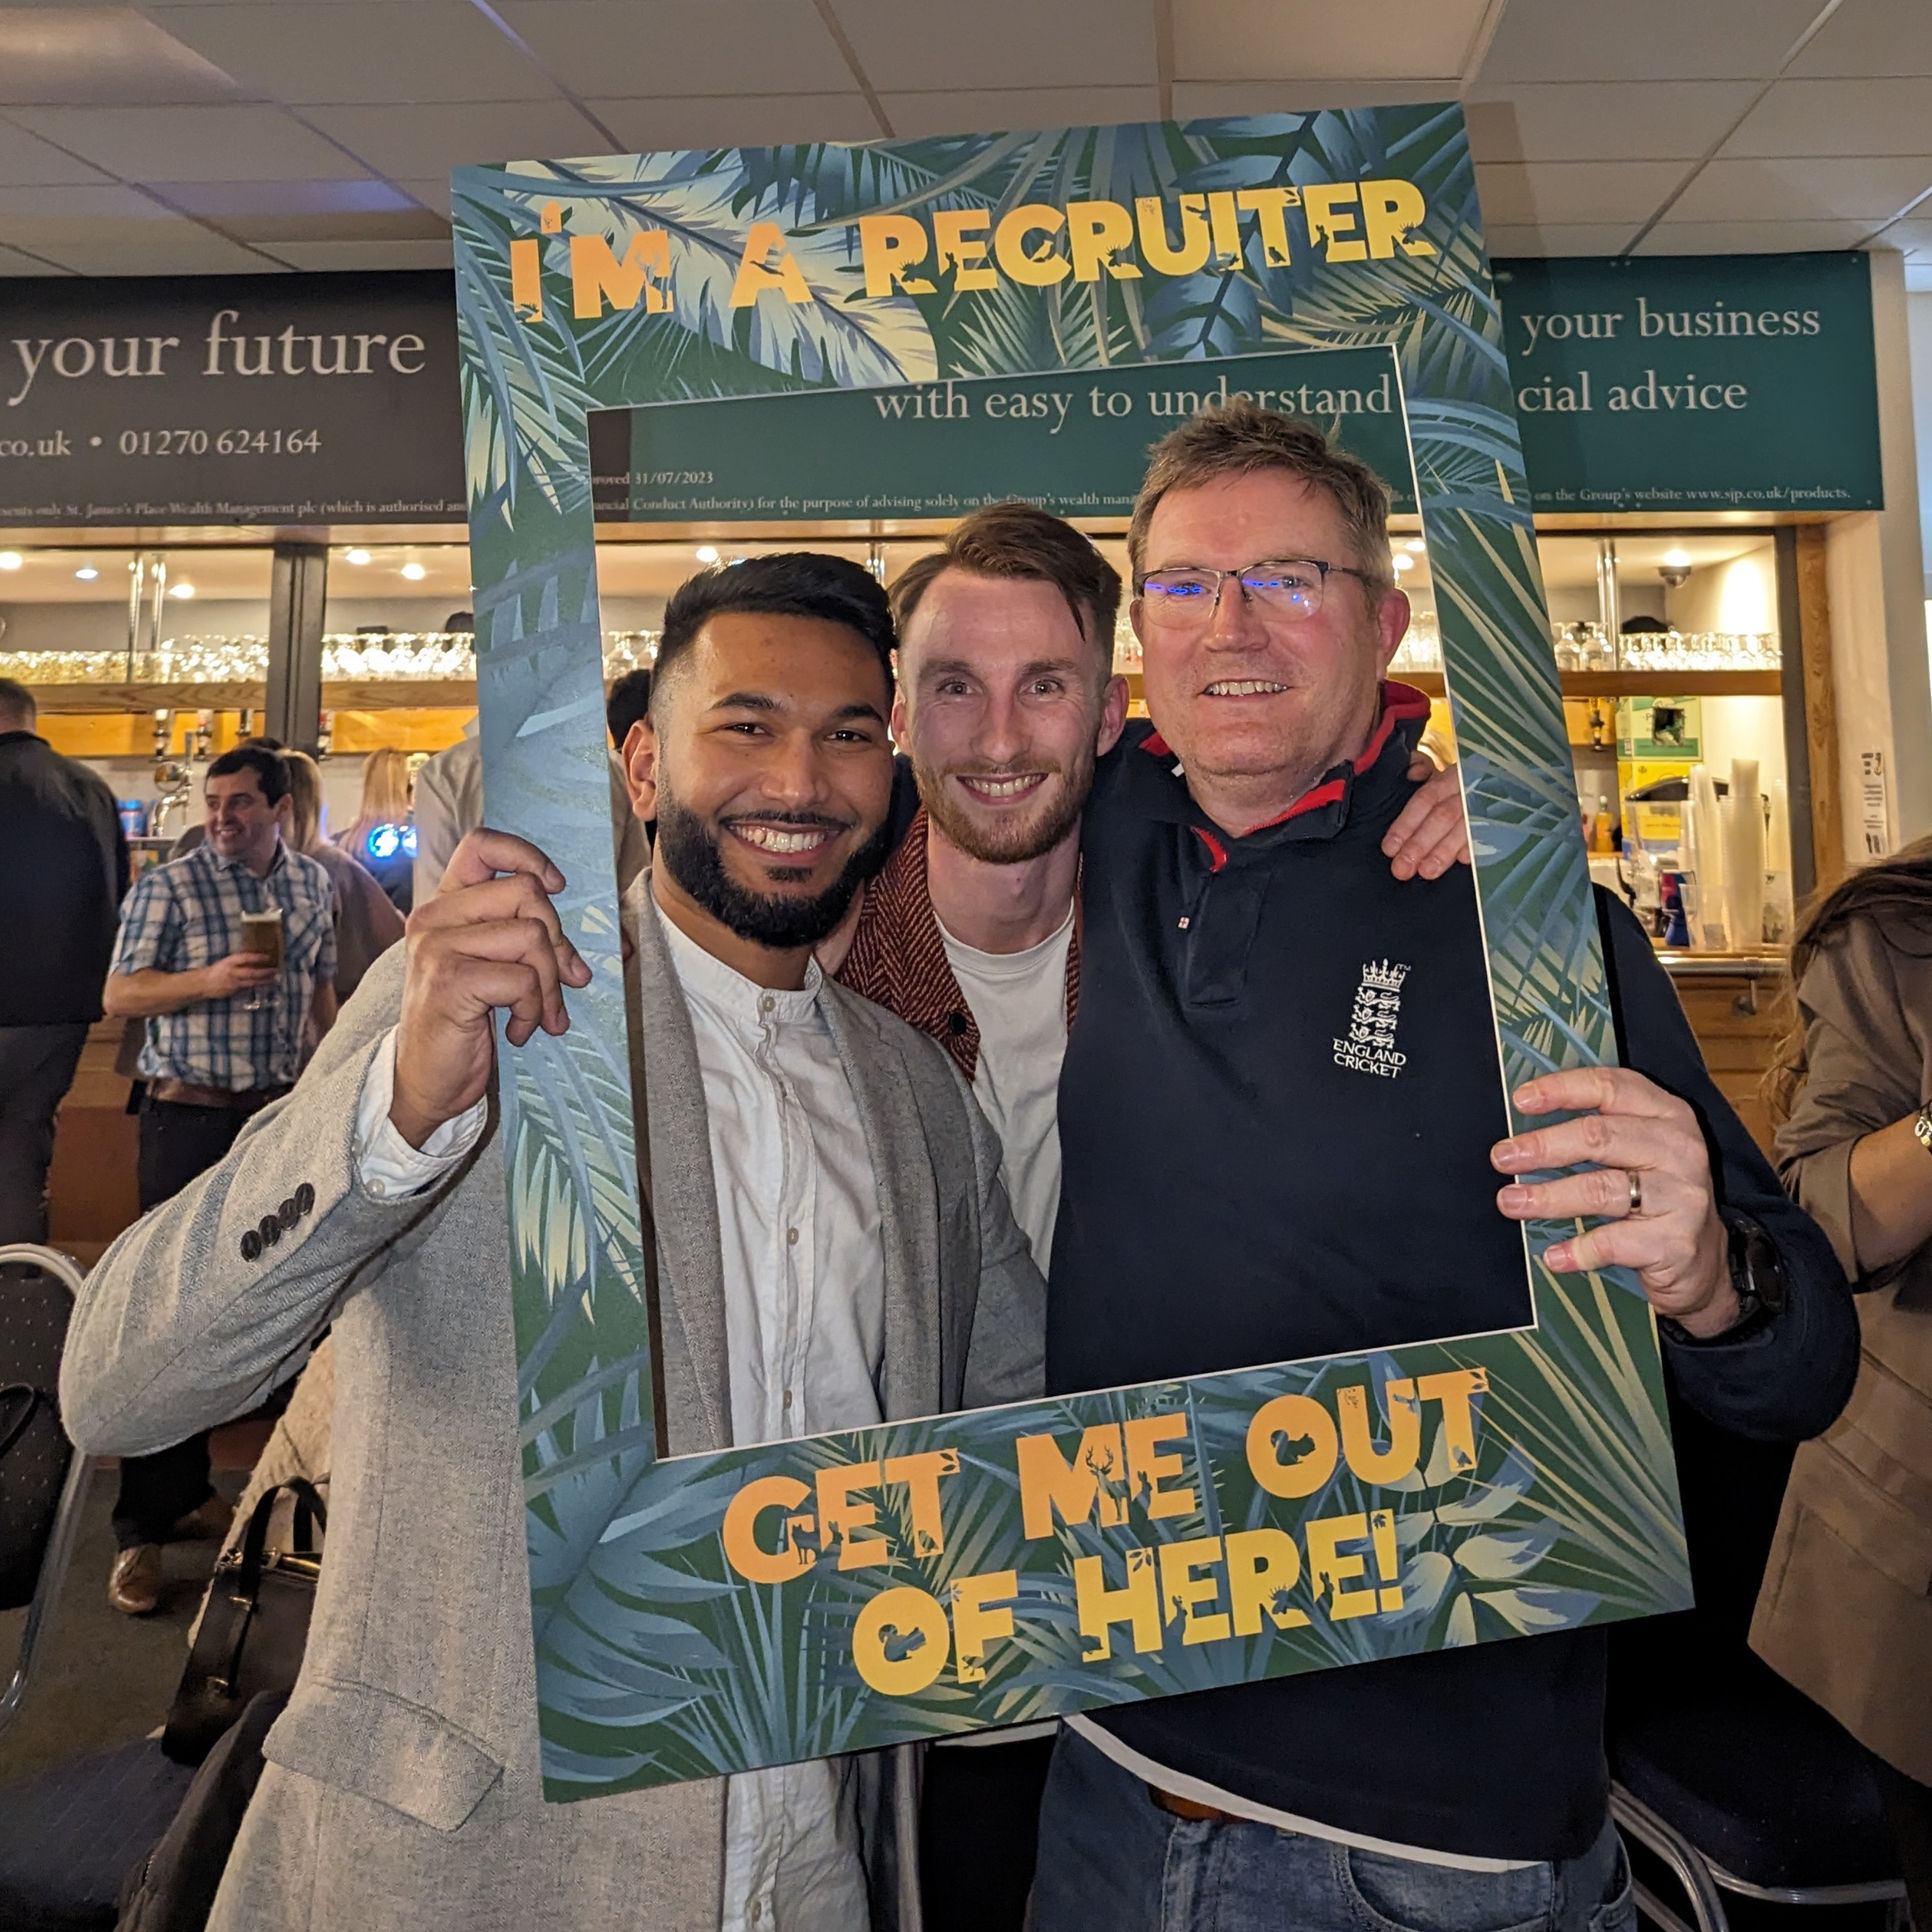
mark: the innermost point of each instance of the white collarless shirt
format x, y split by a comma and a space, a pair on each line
805, 1316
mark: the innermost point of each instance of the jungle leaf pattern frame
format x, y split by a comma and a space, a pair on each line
655, 1661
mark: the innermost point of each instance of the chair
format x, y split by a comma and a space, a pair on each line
69, 1834
1744, 1786
31, 1337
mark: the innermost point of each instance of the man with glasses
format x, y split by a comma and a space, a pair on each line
1279, 1118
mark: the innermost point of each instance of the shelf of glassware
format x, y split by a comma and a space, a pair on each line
359, 673
1592, 663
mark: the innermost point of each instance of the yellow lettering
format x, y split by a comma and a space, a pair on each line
1404, 1423
1292, 1445
1099, 1608
1182, 1591
1330, 221
1263, 1566
890, 245
1392, 212
1143, 1433
754, 277
840, 1517
1381, 1535
978, 1617
1097, 1479
526, 277
953, 229
1453, 1389
1192, 255
1267, 205
1010, 249
595, 273
920, 1474
1328, 1569
742, 1549
900, 1641
1096, 231
1226, 225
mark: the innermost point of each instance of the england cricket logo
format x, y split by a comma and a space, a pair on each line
1370, 1046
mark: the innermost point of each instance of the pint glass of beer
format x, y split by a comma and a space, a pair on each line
262, 932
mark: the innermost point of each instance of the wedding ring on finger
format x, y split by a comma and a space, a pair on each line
1636, 1180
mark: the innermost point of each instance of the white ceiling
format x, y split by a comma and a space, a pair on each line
269, 134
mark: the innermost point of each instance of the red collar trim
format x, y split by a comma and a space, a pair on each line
1401, 703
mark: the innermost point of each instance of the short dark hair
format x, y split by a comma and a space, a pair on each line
1021, 540
15, 696
270, 774
629, 700
786, 583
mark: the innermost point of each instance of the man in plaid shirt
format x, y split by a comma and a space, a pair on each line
225, 1035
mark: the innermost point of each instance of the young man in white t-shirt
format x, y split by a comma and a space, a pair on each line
1007, 697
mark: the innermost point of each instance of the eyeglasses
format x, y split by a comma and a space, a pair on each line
1291, 588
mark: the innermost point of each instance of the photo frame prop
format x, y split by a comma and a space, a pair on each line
702, 1614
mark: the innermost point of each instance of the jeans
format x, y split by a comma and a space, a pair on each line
1111, 1860
36, 1067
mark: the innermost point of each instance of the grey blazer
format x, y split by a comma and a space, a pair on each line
403, 1786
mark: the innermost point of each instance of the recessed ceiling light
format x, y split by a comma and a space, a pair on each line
87, 573
1405, 563
1677, 560
707, 554
415, 572
356, 557
1415, 546
10, 559
181, 589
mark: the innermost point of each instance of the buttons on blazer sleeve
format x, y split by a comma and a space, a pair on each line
304, 1198
251, 1246
271, 1229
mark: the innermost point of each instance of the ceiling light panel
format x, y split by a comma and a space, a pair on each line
616, 48
995, 43
362, 52
187, 144
98, 55
1644, 40
1227, 40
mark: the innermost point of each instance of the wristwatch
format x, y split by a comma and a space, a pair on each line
1757, 1278
1921, 1128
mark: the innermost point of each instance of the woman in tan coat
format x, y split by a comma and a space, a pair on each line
1846, 1610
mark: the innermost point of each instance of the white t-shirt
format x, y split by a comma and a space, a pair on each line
1019, 1001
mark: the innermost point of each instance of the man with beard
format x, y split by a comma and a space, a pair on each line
801, 1143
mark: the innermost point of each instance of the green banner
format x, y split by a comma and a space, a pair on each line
702, 1613
1718, 382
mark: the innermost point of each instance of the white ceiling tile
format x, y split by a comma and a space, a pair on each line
1572, 191
1871, 37
225, 143
335, 257
1644, 40
1585, 238
754, 120
913, 116
112, 201
1839, 117
1868, 190
970, 44
618, 49
1224, 40
413, 142
1604, 121
1210, 100
54, 54
434, 193
117, 245
27, 161
250, 200
1750, 237
362, 51
13, 263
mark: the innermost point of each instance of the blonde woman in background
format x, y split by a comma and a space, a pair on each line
1846, 1609
383, 836
366, 924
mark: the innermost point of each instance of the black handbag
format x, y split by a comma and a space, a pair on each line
254, 1626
